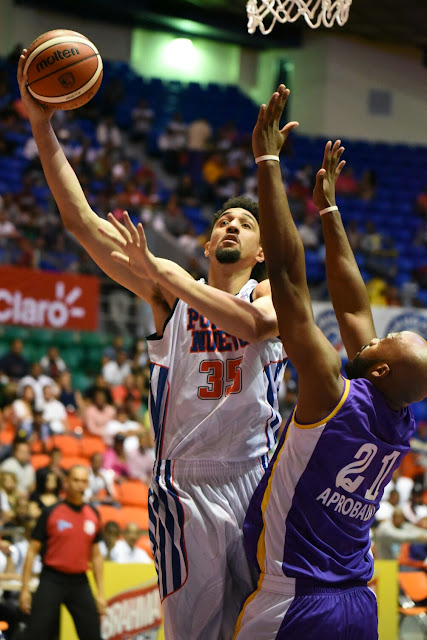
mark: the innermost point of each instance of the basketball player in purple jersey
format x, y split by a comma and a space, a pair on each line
216, 367
307, 527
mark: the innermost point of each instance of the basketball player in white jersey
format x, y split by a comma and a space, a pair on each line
216, 369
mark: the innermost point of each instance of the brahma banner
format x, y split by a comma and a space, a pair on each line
48, 299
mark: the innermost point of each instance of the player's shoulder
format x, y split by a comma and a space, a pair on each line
261, 289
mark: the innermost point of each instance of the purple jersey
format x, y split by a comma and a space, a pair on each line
311, 513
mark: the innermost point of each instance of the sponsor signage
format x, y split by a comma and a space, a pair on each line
35, 298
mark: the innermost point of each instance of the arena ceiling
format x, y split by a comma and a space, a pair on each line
402, 22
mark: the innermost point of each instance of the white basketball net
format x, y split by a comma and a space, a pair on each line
315, 12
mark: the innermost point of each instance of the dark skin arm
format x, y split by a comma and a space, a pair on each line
318, 365
346, 286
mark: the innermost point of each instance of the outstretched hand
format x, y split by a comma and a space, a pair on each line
324, 190
267, 137
36, 111
132, 247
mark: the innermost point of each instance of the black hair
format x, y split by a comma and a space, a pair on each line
358, 367
259, 271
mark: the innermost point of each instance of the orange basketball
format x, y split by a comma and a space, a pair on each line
64, 69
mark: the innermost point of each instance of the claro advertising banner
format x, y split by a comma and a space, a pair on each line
35, 298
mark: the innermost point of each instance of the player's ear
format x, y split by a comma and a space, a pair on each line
260, 255
207, 247
380, 370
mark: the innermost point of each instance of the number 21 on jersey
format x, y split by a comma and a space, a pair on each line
364, 457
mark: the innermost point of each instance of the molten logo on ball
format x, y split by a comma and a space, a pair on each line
56, 57
67, 80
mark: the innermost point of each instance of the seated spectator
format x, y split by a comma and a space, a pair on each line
387, 506
38, 380
21, 515
71, 398
347, 184
128, 389
391, 533
37, 430
115, 458
309, 233
100, 384
125, 551
110, 535
101, 481
110, 352
13, 364
52, 364
54, 466
8, 495
121, 424
107, 132
142, 118
414, 509
140, 461
8, 230
19, 464
403, 484
354, 236
115, 371
54, 412
97, 415
23, 407
368, 185
46, 493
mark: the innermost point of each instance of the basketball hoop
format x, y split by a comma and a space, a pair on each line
315, 13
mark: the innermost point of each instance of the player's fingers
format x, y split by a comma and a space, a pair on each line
21, 63
261, 113
289, 126
120, 258
326, 155
339, 168
270, 108
131, 228
120, 228
141, 234
280, 102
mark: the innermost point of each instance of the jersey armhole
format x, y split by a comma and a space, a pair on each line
159, 336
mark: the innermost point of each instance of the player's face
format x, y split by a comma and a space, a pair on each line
235, 236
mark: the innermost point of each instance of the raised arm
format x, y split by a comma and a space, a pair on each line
316, 361
76, 214
251, 322
346, 287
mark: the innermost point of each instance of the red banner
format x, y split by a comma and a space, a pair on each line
36, 298
133, 614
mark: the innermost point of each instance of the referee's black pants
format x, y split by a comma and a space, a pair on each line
74, 592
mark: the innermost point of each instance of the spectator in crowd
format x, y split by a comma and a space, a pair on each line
115, 371
368, 185
347, 184
97, 415
309, 232
199, 135
19, 464
421, 203
127, 389
391, 533
110, 352
354, 235
37, 430
54, 412
100, 384
23, 407
108, 133
101, 481
52, 364
13, 364
71, 398
125, 551
110, 536
46, 493
8, 230
387, 506
140, 461
21, 514
53, 466
121, 424
38, 380
115, 458
402, 484
414, 510
142, 118
8, 495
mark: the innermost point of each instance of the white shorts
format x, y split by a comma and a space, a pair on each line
197, 510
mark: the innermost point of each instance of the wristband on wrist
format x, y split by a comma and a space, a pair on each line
334, 208
268, 157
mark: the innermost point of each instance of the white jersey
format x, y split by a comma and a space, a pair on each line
213, 396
